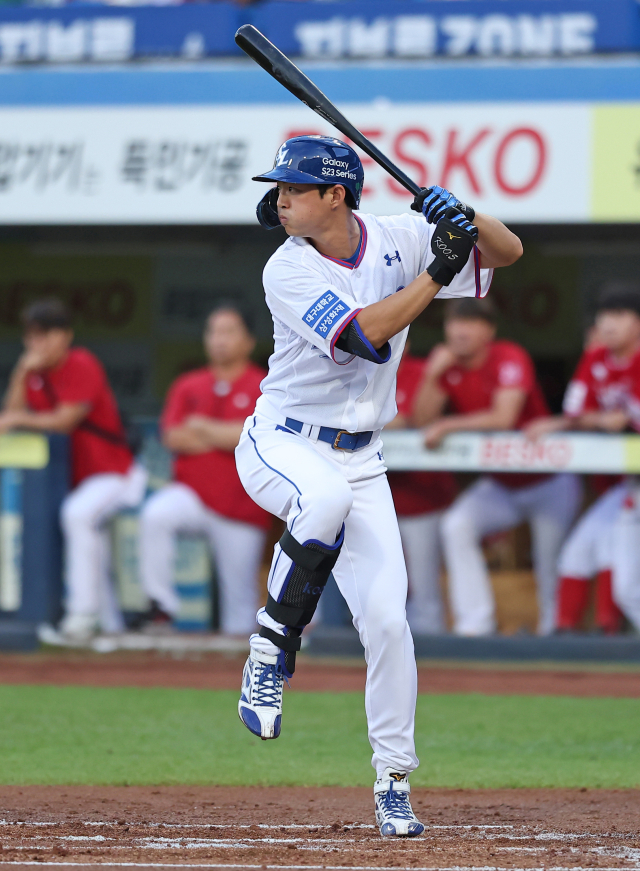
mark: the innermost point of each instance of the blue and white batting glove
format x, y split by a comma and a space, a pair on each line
433, 202
461, 220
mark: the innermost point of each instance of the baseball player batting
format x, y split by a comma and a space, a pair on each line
342, 291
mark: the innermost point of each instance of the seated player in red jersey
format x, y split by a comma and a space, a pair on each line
201, 424
420, 498
604, 395
489, 384
59, 388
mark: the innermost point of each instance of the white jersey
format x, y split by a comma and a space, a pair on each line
313, 297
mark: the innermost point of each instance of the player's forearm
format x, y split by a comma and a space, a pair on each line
15, 397
481, 420
44, 421
607, 421
382, 320
496, 243
182, 440
223, 435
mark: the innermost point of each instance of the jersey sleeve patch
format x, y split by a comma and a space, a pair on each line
325, 312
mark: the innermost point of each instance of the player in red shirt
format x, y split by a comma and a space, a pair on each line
419, 498
604, 394
201, 423
58, 388
491, 385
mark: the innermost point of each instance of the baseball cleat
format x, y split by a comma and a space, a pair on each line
260, 705
394, 814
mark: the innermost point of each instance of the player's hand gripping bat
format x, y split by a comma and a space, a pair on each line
278, 65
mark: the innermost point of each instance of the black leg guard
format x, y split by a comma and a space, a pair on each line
301, 591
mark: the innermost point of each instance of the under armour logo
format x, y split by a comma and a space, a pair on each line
281, 157
390, 259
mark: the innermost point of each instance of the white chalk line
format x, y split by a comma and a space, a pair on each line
319, 867
307, 826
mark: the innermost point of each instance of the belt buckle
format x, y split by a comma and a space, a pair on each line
336, 441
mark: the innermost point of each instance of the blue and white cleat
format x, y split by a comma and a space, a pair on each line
394, 814
260, 705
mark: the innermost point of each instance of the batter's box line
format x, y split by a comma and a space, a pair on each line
152, 865
306, 826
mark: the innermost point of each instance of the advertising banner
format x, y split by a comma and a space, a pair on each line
487, 28
616, 163
351, 29
183, 164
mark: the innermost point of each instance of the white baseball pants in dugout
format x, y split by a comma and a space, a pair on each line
236, 548
315, 489
589, 548
84, 515
420, 534
488, 507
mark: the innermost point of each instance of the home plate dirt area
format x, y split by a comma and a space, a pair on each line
306, 827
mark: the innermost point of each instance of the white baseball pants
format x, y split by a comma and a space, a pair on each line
589, 548
626, 553
84, 515
236, 548
420, 535
488, 507
316, 490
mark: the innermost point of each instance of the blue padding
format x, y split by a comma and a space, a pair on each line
376, 356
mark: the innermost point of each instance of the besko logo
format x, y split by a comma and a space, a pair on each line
390, 259
312, 591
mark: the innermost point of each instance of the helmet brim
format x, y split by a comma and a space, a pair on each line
281, 173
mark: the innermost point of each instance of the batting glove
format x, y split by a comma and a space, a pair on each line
452, 242
433, 202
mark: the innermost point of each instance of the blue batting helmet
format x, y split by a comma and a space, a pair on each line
318, 160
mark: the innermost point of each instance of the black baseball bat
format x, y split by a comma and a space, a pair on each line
278, 65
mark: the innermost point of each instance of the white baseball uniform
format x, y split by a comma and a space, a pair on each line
316, 488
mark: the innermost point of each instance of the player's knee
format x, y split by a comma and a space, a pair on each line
393, 626
74, 515
331, 502
156, 513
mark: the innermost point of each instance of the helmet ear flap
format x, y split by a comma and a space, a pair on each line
267, 210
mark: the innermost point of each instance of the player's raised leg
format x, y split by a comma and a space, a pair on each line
284, 474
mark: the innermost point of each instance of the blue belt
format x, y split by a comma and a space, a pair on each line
339, 439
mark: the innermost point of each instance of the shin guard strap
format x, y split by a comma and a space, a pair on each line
290, 643
302, 556
287, 614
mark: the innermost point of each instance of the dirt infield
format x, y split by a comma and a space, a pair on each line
220, 671
307, 827
317, 828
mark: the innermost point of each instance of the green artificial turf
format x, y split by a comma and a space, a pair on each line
63, 735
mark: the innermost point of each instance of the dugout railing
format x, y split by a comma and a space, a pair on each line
34, 473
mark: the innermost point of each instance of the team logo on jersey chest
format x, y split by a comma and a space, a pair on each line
390, 259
